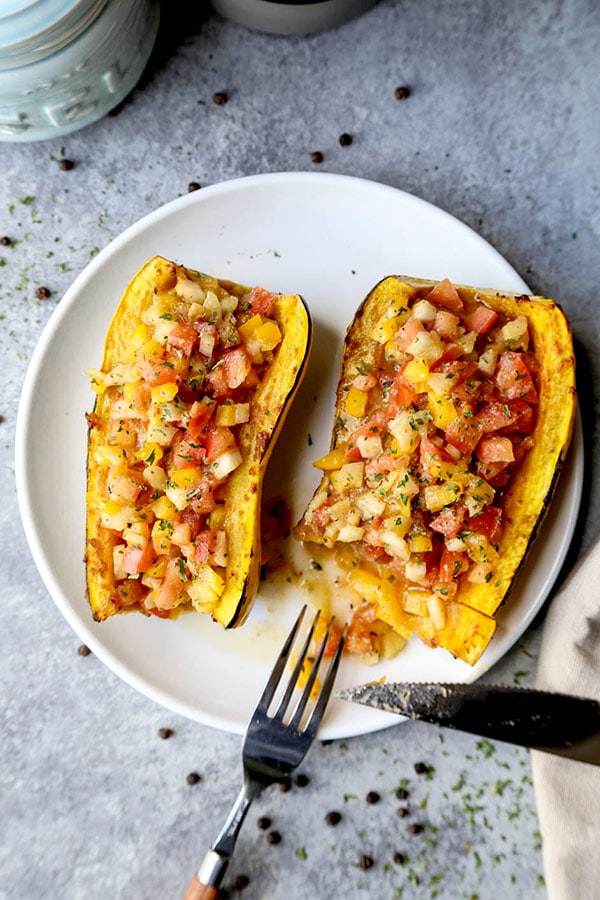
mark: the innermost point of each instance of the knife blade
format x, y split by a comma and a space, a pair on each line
556, 723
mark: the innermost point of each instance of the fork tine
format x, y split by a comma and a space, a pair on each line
319, 708
283, 703
279, 666
327, 684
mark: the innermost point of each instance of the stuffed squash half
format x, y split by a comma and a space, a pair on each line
453, 415
197, 376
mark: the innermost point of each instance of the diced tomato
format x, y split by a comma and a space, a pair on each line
430, 452
522, 414
450, 521
446, 323
481, 320
135, 561
495, 449
261, 301
236, 364
456, 370
493, 472
128, 592
378, 466
159, 613
218, 441
445, 294
184, 338
196, 521
359, 638
172, 584
402, 395
205, 546
335, 636
218, 381
513, 379
451, 352
201, 498
488, 523
200, 415
452, 564
156, 372
464, 433
466, 391
188, 452
494, 416
409, 331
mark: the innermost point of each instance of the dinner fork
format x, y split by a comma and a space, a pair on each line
275, 743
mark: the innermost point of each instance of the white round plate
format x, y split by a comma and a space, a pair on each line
330, 238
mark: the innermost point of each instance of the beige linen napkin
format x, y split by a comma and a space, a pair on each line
567, 792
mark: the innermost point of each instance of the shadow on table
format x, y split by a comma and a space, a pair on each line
179, 20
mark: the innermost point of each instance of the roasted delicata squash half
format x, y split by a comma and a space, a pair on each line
197, 376
454, 412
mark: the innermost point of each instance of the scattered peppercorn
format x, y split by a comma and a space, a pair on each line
66, 164
285, 786
415, 828
316, 156
301, 780
240, 882
372, 797
264, 823
402, 92
42, 293
316, 565
193, 778
399, 858
193, 186
402, 794
365, 862
165, 733
5, 241
402, 811
333, 818
421, 768
220, 98
274, 837
83, 650
345, 139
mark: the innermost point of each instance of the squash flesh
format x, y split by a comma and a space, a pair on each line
162, 297
463, 619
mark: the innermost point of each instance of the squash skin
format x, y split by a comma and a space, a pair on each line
471, 621
256, 440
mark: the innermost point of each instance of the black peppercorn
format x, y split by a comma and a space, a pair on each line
165, 733
42, 293
263, 823
332, 818
301, 780
345, 139
66, 164
285, 786
372, 797
240, 882
193, 186
365, 862
399, 858
421, 768
5, 241
193, 778
402, 92
83, 650
402, 811
274, 837
415, 828
316, 156
220, 98
402, 794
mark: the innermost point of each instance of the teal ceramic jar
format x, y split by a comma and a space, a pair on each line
66, 63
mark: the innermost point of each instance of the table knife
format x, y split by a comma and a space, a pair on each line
556, 723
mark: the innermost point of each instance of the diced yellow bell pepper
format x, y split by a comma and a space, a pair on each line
442, 410
185, 478
436, 496
164, 393
151, 350
163, 508
416, 372
332, 460
151, 452
251, 325
356, 402
268, 335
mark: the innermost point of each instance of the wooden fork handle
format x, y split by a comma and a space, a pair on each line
198, 891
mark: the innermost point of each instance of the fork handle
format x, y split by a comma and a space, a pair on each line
198, 891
